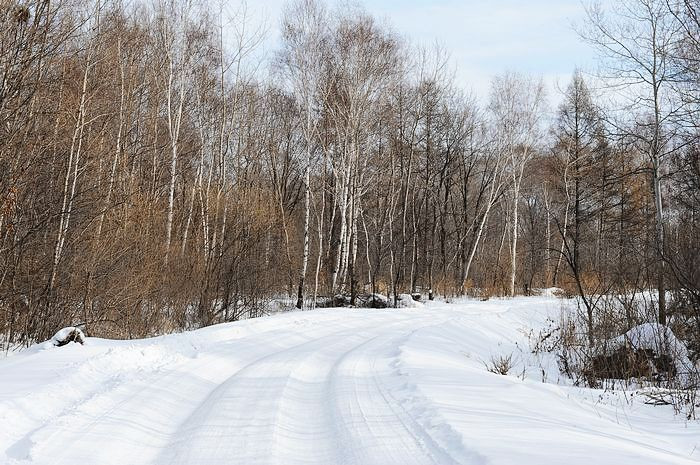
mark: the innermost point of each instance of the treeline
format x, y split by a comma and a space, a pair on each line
153, 179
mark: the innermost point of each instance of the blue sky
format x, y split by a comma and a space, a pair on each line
483, 38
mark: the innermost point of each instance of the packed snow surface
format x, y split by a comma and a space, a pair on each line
337, 386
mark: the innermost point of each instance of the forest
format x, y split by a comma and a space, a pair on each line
156, 175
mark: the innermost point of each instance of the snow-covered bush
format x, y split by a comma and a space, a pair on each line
372, 301
361, 300
648, 350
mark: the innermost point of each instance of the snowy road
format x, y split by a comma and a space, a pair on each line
327, 387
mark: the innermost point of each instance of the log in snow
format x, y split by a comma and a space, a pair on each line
66, 336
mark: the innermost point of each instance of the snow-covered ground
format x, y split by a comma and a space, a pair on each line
338, 386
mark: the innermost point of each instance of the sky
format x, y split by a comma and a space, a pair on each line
483, 38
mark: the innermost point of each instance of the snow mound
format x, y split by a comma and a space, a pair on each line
406, 301
550, 292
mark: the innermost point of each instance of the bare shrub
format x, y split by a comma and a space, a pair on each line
500, 365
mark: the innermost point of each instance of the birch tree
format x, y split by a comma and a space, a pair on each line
363, 60
75, 152
175, 40
516, 109
304, 35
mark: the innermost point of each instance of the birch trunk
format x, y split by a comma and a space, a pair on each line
307, 213
174, 121
71, 178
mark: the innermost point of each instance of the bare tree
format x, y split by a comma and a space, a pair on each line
578, 129
636, 43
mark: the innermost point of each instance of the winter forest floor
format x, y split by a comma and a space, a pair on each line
336, 386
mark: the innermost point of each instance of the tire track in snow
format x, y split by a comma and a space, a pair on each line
334, 396
295, 406
113, 377
131, 414
103, 381
390, 432
271, 411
